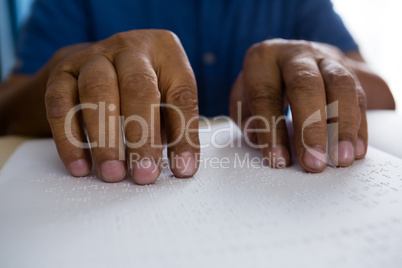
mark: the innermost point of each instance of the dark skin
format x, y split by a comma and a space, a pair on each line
309, 75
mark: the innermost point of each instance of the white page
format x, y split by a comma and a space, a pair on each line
236, 217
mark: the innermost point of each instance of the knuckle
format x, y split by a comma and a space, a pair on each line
297, 47
306, 81
264, 93
135, 79
144, 85
266, 47
119, 38
121, 41
168, 36
56, 105
136, 38
184, 97
341, 78
93, 86
302, 44
61, 53
329, 49
68, 66
120, 35
258, 50
96, 48
66, 51
68, 59
276, 41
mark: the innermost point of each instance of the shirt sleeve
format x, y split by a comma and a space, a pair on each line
50, 26
316, 20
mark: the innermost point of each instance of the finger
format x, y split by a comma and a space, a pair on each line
179, 95
65, 119
98, 89
264, 93
239, 110
362, 141
306, 94
342, 97
140, 99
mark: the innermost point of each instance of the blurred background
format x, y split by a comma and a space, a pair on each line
375, 24
13, 13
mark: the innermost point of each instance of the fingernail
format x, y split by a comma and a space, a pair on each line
344, 152
145, 172
79, 168
185, 165
279, 157
315, 158
113, 171
361, 148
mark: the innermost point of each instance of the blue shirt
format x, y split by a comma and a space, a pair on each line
215, 33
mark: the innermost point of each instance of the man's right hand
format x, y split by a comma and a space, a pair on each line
129, 74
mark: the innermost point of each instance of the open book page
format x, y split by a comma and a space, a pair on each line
235, 212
